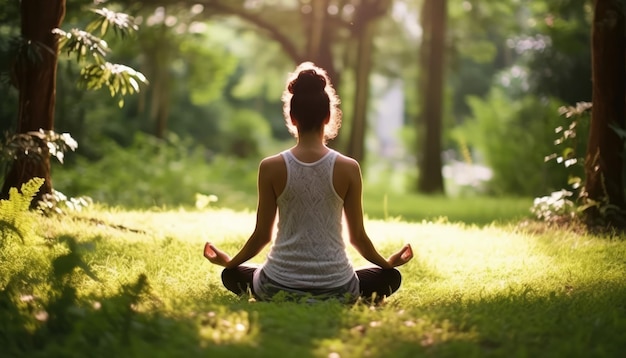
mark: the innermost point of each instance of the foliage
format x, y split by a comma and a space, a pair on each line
176, 172
556, 207
41, 305
15, 220
30, 146
511, 134
244, 134
58, 203
567, 203
90, 50
561, 205
35, 146
153, 173
561, 55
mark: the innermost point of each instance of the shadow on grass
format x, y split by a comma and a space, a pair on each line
585, 322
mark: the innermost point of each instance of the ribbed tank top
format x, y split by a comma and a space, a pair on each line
309, 251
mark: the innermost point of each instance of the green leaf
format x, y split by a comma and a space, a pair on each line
569, 152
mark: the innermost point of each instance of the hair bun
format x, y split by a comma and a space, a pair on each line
307, 82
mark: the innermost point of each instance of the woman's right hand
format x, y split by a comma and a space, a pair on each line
215, 255
401, 257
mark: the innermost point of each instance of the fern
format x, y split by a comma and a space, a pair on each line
15, 217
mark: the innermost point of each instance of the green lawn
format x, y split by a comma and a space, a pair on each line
379, 203
488, 290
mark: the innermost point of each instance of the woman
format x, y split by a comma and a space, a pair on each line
311, 186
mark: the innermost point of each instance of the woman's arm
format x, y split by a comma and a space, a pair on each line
353, 207
262, 235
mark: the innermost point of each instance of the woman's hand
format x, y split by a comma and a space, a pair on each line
401, 257
215, 255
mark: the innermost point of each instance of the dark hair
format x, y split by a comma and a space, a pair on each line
310, 99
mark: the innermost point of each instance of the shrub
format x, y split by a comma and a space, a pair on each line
244, 134
562, 205
153, 173
514, 136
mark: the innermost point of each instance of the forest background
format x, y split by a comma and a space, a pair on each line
216, 70
484, 106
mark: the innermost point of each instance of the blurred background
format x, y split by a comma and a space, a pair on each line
458, 98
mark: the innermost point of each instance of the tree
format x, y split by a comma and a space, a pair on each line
364, 31
177, 54
434, 15
604, 161
321, 31
34, 76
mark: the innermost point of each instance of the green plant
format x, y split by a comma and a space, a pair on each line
512, 135
562, 204
558, 206
91, 49
15, 219
570, 146
58, 203
153, 172
244, 134
35, 146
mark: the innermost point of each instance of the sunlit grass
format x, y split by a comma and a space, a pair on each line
494, 290
384, 203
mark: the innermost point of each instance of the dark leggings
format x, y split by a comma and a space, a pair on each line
372, 280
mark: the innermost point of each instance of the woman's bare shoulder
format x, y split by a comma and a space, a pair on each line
347, 162
273, 162
347, 167
272, 159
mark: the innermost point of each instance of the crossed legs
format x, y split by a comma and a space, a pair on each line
374, 282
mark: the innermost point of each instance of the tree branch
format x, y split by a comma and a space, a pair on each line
273, 31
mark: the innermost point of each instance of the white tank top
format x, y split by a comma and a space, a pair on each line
309, 251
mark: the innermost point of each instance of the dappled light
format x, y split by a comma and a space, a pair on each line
487, 290
478, 176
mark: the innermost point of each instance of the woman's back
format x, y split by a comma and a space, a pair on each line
309, 250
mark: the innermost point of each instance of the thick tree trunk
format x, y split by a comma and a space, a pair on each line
604, 162
430, 178
36, 83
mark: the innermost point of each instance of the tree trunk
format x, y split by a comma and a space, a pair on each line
603, 162
430, 178
36, 83
363, 31
356, 141
320, 39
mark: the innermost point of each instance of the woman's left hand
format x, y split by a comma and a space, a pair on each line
215, 255
401, 257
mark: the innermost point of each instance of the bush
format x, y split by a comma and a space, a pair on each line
244, 134
514, 137
157, 173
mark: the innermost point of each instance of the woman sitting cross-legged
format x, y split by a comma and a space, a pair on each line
311, 186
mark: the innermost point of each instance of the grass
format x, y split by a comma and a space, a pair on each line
379, 203
473, 290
